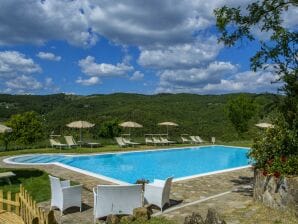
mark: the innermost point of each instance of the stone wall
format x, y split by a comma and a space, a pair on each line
279, 193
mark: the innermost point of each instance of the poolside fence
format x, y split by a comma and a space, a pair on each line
24, 206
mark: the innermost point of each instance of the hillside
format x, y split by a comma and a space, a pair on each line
196, 114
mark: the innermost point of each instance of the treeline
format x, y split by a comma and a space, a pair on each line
204, 115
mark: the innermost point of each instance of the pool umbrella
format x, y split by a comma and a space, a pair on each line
130, 124
265, 125
168, 123
5, 129
80, 125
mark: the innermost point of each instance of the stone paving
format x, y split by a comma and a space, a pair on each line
238, 199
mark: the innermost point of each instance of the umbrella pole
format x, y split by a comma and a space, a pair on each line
81, 135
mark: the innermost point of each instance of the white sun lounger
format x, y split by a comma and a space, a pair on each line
120, 142
128, 142
194, 139
70, 141
185, 140
149, 141
158, 192
57, 144
200, 140
157, 141
116, 199
166, 141
63, 195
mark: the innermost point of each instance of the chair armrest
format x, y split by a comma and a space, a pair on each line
65, 183
94, 191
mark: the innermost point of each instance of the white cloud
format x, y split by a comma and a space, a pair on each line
13, 63
248, 81
88, 82
23, 82
39, 21
48, 56
182, 55
137, 76
91, 68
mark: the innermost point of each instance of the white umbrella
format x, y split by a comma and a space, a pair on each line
168, 123
130, 124
265, 125
5, 129
80, 125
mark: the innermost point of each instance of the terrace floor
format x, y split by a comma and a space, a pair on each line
230, 193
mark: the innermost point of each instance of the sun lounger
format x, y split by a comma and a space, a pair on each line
57, 144
6, 176
116, 199
149, 141
130, 143
194, 140
185, 140
70, 141
158, 192
166, 141
120, 142
200, 140
157, 141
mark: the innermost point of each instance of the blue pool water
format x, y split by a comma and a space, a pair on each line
158, 164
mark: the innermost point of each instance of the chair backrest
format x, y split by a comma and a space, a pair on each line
54, 142
199, 139
125, 141
184, 139
148, 140
70, 140
213, 140
167, 189
56, 189
117, 199
155, 139
119, 141
193, 138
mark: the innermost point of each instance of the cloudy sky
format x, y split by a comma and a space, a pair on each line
105, 46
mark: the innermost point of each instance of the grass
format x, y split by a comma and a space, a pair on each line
109, 148
36, 182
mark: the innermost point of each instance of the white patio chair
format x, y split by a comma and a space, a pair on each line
116, 199
63, 195
213, 140
158, 192
70, 141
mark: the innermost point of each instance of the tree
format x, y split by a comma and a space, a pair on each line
240, 110
27, 127
110, 129
279, 53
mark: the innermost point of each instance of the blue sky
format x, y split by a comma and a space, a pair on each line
89, 47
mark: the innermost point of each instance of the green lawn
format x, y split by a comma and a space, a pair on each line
36, 182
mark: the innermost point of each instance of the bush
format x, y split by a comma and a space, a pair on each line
275, 150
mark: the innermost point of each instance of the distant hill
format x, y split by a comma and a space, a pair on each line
196, 114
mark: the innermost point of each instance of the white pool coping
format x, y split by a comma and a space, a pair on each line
116, 181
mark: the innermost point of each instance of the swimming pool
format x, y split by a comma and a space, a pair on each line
127, 167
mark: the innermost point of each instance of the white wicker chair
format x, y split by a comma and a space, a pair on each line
63, 195
116, 199
158, 192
